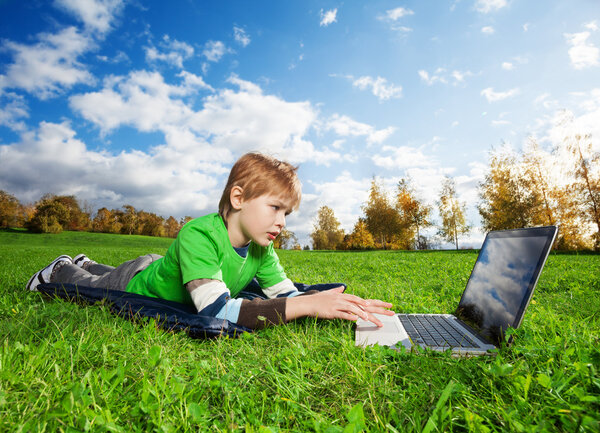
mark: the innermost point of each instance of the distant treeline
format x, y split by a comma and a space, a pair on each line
526, 189
55, 213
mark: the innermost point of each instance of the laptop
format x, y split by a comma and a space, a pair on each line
496, 296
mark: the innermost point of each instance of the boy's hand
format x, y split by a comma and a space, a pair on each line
334, 304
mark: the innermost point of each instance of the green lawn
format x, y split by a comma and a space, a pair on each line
68, 368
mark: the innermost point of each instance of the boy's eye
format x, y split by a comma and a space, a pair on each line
275, 207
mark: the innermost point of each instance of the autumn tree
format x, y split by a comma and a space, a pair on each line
586, 185
414, 214
327, 234
286, 240
381, 217
186, 219
77, 218
106, 221
9, 210
507, 202
129, 220
452, 212
360, 238
51, 216
150, 224
556, 203
171, 227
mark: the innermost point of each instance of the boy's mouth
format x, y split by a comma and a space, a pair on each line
272, 235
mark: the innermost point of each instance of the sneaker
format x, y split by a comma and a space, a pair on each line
82, 259
43, 276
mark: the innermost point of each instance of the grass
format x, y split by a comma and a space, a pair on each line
68, 368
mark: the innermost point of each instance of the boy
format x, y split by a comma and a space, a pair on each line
214, 257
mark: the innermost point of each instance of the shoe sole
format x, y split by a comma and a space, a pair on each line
38, 274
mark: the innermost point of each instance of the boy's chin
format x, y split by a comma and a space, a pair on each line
262, 242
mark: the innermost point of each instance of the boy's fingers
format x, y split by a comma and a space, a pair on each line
374, 320
378, 303
383, 311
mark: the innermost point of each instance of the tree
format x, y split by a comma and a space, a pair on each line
381, 218
414, 214
506, 200
587, 180
327, 234
286, 240
9, 210
77, 219
452, 212
129, 220
556, 202
360, 238
186, 219
51, 216
106, 221
171, 227
150, 224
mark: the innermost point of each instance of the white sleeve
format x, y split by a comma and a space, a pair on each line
285, 288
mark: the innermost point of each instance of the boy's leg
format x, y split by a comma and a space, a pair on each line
114, 279
98, 268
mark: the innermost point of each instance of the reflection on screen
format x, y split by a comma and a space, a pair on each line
500, 282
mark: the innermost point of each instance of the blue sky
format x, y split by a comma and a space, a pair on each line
149, 103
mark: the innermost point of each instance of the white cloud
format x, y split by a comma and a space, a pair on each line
392, 16
328, 17
175, 52
397, 13
49, 66
241, 37
488, 30
237, 121
344, 126
493, 96
12, 110
508, 66
199, 144
487, 6
526, 27
345, 195
544, 101
582, 120
118, 58
214, 50
593, 26
142, 100
379, 87
583, 54
144, 180
441, 75
95, 14
402, 157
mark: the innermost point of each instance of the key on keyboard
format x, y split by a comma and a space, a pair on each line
434, 331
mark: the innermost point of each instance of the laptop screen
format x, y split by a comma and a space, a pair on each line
503, 279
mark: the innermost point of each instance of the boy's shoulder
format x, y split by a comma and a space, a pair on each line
211, 225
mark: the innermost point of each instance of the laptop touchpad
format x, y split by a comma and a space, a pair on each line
392, 332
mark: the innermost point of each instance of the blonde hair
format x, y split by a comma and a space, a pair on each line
259, 174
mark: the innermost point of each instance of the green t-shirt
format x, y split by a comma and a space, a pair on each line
202, 250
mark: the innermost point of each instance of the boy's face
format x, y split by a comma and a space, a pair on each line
262, 218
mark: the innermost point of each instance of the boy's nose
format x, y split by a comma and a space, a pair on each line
281, 220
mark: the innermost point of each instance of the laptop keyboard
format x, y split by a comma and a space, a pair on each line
434, 331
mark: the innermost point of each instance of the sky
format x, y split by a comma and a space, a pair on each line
149, 103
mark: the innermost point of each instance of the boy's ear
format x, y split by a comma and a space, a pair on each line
235, 197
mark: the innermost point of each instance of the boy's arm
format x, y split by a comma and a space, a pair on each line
212, 298
284, 289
